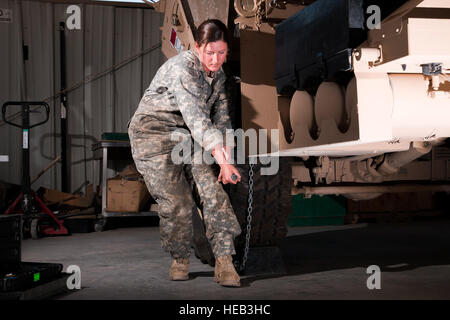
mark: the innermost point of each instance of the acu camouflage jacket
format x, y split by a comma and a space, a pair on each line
179, 96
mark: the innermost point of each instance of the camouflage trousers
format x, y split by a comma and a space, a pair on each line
170, 185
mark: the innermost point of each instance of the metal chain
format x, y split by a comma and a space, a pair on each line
249, 217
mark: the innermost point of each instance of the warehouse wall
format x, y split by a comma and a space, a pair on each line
108, 36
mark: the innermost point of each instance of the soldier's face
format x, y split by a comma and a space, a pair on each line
212, 55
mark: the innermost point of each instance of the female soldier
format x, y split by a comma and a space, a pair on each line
188, 92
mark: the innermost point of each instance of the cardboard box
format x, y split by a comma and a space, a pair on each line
126, 195
55, 197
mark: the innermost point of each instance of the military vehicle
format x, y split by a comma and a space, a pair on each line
358, 91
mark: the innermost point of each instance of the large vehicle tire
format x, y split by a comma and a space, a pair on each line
271, 205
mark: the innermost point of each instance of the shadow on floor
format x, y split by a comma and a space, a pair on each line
392, 247
131, 222
202, 274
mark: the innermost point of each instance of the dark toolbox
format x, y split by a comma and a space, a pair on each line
16, 275
28, 275
10, 240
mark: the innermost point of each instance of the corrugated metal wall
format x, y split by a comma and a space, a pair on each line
108, 36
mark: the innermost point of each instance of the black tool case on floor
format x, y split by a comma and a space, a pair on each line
16, 275
28, 275
10, 239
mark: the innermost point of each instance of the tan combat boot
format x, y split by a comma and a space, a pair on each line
179, 270
224, 272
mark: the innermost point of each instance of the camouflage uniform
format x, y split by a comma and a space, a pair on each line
180, 97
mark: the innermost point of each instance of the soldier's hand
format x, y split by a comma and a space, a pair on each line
229, 174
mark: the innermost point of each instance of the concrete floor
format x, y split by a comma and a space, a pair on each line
321, 263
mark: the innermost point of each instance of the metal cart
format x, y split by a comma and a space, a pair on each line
117, 151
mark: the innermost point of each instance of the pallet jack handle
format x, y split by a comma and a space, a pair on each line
25, 113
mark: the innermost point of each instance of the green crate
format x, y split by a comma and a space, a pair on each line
115, 136
317, 211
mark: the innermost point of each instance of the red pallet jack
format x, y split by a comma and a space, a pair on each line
37, 217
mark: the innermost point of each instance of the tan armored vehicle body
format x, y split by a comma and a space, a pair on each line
390, 104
